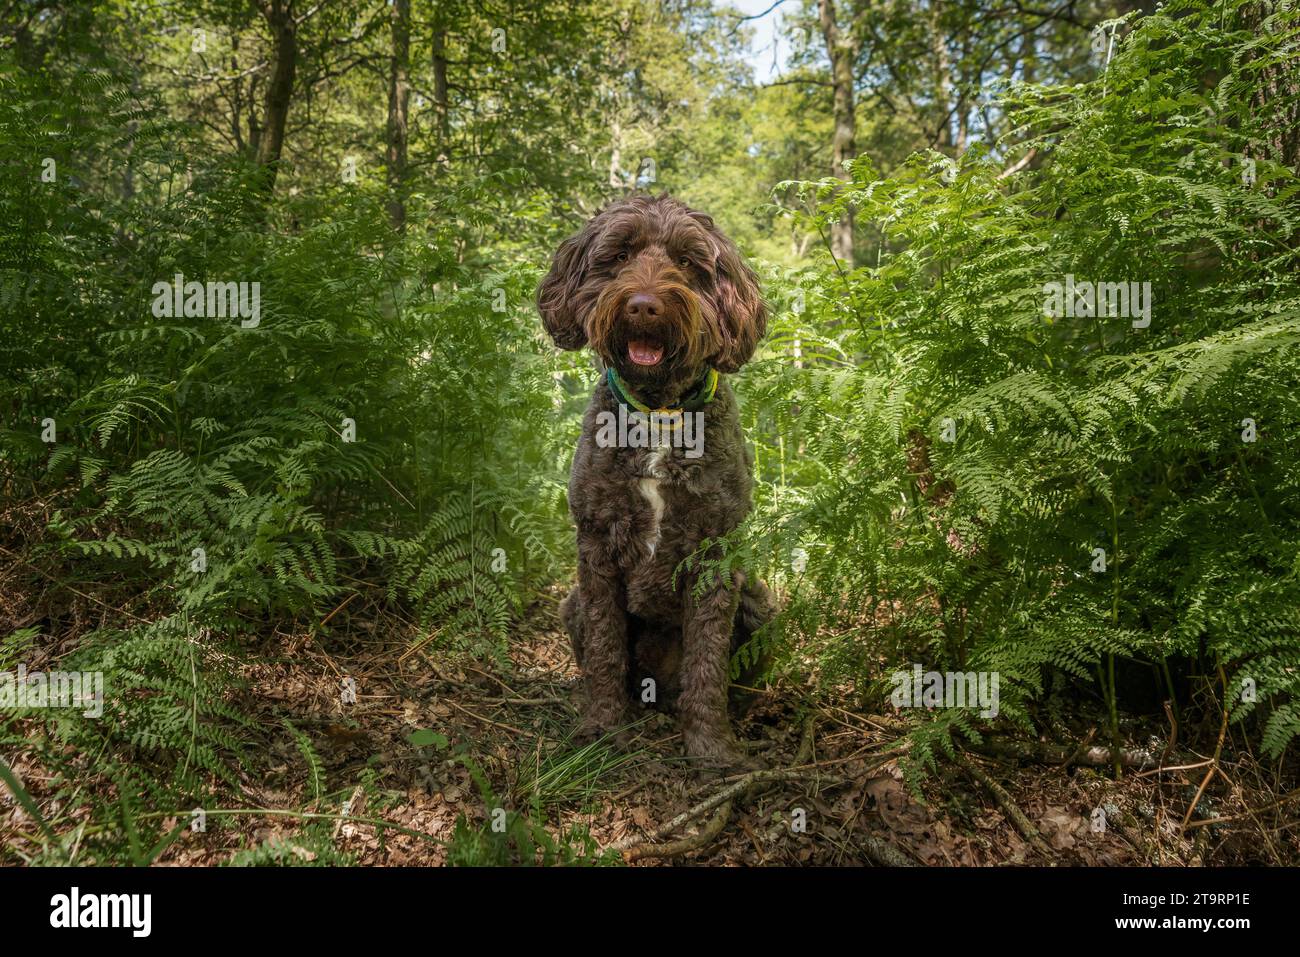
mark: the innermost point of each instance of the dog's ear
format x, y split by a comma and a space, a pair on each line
558, 294
742, 314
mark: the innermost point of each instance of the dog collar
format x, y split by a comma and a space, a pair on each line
697, 398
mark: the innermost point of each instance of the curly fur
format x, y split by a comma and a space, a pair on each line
640, 511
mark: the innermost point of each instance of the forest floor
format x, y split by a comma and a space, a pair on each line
834, 795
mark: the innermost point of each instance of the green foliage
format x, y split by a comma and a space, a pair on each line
509, 837
569, 774
523, 843
316, 775
204, 467
1071, 433
310, 846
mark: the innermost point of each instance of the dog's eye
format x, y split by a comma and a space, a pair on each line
622, 257
684, 262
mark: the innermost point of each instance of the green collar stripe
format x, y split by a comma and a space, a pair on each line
701, 396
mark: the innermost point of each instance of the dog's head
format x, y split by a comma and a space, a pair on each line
657, 290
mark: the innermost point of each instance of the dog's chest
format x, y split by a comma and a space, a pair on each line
654, 473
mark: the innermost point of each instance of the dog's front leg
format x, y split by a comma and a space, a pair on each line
709, 622
604, 633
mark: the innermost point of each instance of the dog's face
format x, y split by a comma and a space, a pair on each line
656, 290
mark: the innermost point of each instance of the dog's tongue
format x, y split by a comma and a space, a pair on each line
645, 353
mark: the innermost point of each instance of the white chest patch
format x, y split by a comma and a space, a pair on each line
657, 473
650, 491
654, 462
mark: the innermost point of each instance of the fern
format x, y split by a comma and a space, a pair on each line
1071, 434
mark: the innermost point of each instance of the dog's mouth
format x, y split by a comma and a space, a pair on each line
645, 352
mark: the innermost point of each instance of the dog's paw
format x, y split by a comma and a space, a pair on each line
601, 722
622, 739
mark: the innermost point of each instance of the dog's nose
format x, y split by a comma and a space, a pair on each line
643, 305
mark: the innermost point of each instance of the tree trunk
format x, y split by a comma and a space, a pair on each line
279, 93
399, 93
440, 100
943, 139
842, 52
